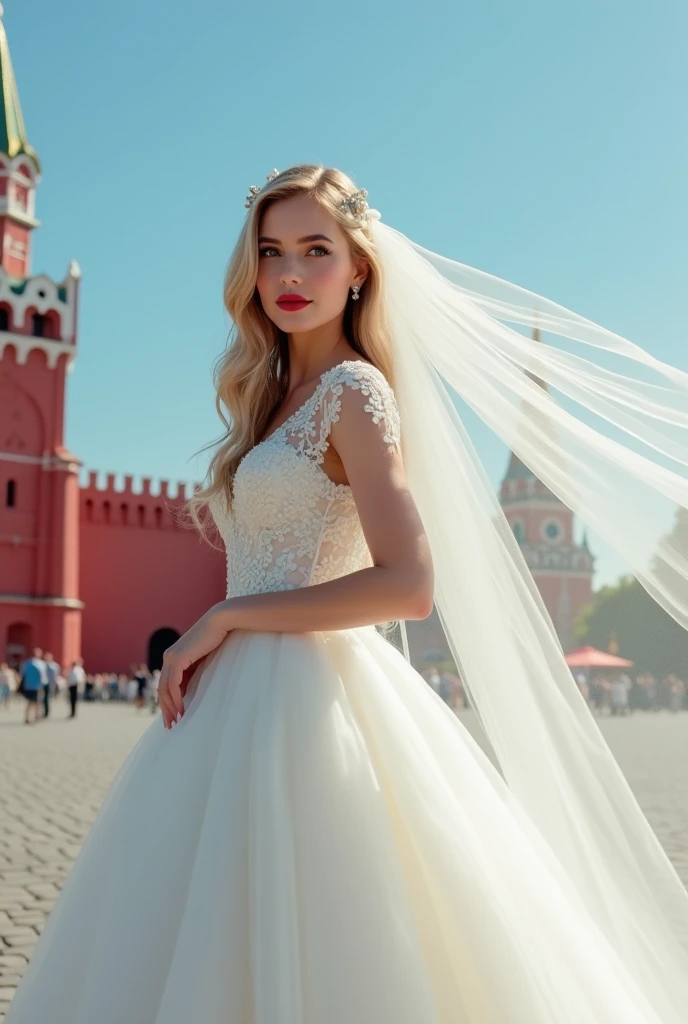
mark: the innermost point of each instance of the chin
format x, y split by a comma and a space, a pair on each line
289, 322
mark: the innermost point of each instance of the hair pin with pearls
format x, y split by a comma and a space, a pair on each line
356, 204
356, 207
255, 190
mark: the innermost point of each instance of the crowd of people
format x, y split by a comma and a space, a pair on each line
40, 680
616, 693
606, 693
448, 685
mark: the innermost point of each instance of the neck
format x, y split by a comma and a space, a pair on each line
313, 352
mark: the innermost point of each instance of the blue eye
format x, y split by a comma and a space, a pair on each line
320, 250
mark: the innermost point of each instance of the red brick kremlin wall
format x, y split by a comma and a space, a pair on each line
140, 572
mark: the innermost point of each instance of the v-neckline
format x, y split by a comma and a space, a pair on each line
310, 398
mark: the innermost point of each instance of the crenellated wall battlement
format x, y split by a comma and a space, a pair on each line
114, 505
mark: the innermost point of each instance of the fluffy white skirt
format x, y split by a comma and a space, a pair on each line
320, 841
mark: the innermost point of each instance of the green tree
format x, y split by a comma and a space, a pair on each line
645, 633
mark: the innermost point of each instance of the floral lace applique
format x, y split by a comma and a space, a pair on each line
290, 525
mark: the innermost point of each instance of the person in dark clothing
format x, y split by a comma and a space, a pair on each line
141, 675
76, 677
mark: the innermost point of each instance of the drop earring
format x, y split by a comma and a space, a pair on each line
355, 289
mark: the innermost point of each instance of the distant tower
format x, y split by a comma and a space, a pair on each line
543, 527
39, 488
19, 173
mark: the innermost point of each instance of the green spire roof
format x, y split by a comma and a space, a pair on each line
13, 140
517, 469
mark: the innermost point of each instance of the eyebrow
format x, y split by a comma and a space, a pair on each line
299, 241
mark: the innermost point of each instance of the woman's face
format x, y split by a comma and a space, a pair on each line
304, 257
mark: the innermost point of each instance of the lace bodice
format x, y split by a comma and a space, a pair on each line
290, 525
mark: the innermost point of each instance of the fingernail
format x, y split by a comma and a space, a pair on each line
179, 716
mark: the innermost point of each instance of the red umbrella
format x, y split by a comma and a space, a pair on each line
590, 657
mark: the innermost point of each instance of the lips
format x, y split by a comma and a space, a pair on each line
292, 303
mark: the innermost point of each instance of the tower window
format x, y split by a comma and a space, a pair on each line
4, 320
46, 325
552, 531
519, 530
11, 498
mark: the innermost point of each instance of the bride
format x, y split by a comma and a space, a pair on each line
317, 838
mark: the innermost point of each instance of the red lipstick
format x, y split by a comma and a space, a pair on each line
291, 303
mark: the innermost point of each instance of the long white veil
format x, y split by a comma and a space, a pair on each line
451, 332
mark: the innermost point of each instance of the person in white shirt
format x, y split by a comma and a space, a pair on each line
8, 684
620, 686
433, 678
582, 683
52, 670
75, 678
154, 680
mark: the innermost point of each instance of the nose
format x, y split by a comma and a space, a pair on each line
289, 273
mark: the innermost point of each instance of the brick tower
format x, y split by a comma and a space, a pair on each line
543, 527
39, 487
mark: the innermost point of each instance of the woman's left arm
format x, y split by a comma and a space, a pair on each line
399, 585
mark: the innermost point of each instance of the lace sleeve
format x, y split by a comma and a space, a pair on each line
380, 400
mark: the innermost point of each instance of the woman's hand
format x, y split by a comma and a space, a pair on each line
203, 637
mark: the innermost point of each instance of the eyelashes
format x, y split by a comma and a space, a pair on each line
270, 248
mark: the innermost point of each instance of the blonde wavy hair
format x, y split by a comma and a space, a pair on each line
252, 375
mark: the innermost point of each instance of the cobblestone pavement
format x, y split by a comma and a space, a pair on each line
54, 775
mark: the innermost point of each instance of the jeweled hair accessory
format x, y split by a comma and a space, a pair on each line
255, 190
356, 206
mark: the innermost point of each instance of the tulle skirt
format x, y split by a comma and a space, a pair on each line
319, 841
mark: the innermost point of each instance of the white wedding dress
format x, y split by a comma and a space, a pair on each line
319, 841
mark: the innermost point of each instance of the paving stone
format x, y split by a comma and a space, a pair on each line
19, 943
18, 932
30, 917
43, 890
17, 877
43, 905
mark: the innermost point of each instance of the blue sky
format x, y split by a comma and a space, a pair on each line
543, 142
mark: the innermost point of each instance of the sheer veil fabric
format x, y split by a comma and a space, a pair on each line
454, 329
